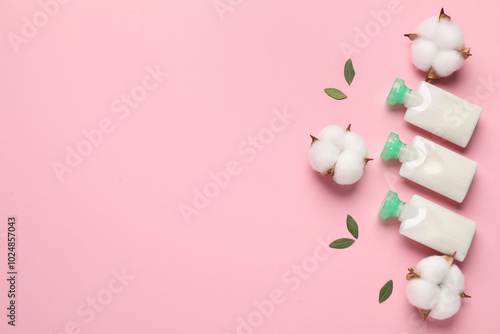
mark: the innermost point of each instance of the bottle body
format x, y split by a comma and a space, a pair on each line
437, 168
442, 113
437, 227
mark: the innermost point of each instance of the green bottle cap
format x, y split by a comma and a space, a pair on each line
392, 147
390, 206
398, 92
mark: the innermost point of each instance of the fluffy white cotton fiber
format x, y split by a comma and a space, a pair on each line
433, 269
323, 156
422, 294
439, 45
455, 280
447, 62
449, 36
423, 52
349, 168
333, 134
355, 143
428, 28
339, 152
436, 287
447, 305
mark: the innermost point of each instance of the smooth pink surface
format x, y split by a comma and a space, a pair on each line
110, 233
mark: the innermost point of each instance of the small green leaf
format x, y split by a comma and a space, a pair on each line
342, 243
352, 226
349, 71
335, 93
385, 292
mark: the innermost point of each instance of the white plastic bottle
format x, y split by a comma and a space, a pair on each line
432, 166
437, 111
430, 224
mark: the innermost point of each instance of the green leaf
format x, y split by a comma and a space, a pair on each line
352, 226
349, 71
385, 292
342, 243
335, 93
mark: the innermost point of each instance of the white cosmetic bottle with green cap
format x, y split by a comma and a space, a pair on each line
437, 111
430, 224
432, 166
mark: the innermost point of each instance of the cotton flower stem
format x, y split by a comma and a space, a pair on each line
431, 75
367, 160
465, 52
411, 36
331, 171
442, 15
412, 274
424, 312
314, 139
464, 295
348, 128
450, 259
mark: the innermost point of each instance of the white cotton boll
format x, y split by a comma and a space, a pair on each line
340, 152
433, 269
322, 156
449, 36
447, 62
428, 28
349, 168
438, 292
354, 142
333, 134
448, 304
455, 280
422, 294
423, 52
438, 47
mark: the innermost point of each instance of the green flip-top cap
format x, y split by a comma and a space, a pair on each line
390, 206
392, 147
398, 92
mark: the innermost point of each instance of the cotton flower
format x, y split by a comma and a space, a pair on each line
339, 152
436, 287
438, 47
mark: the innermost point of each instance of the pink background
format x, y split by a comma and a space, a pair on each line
109, 231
